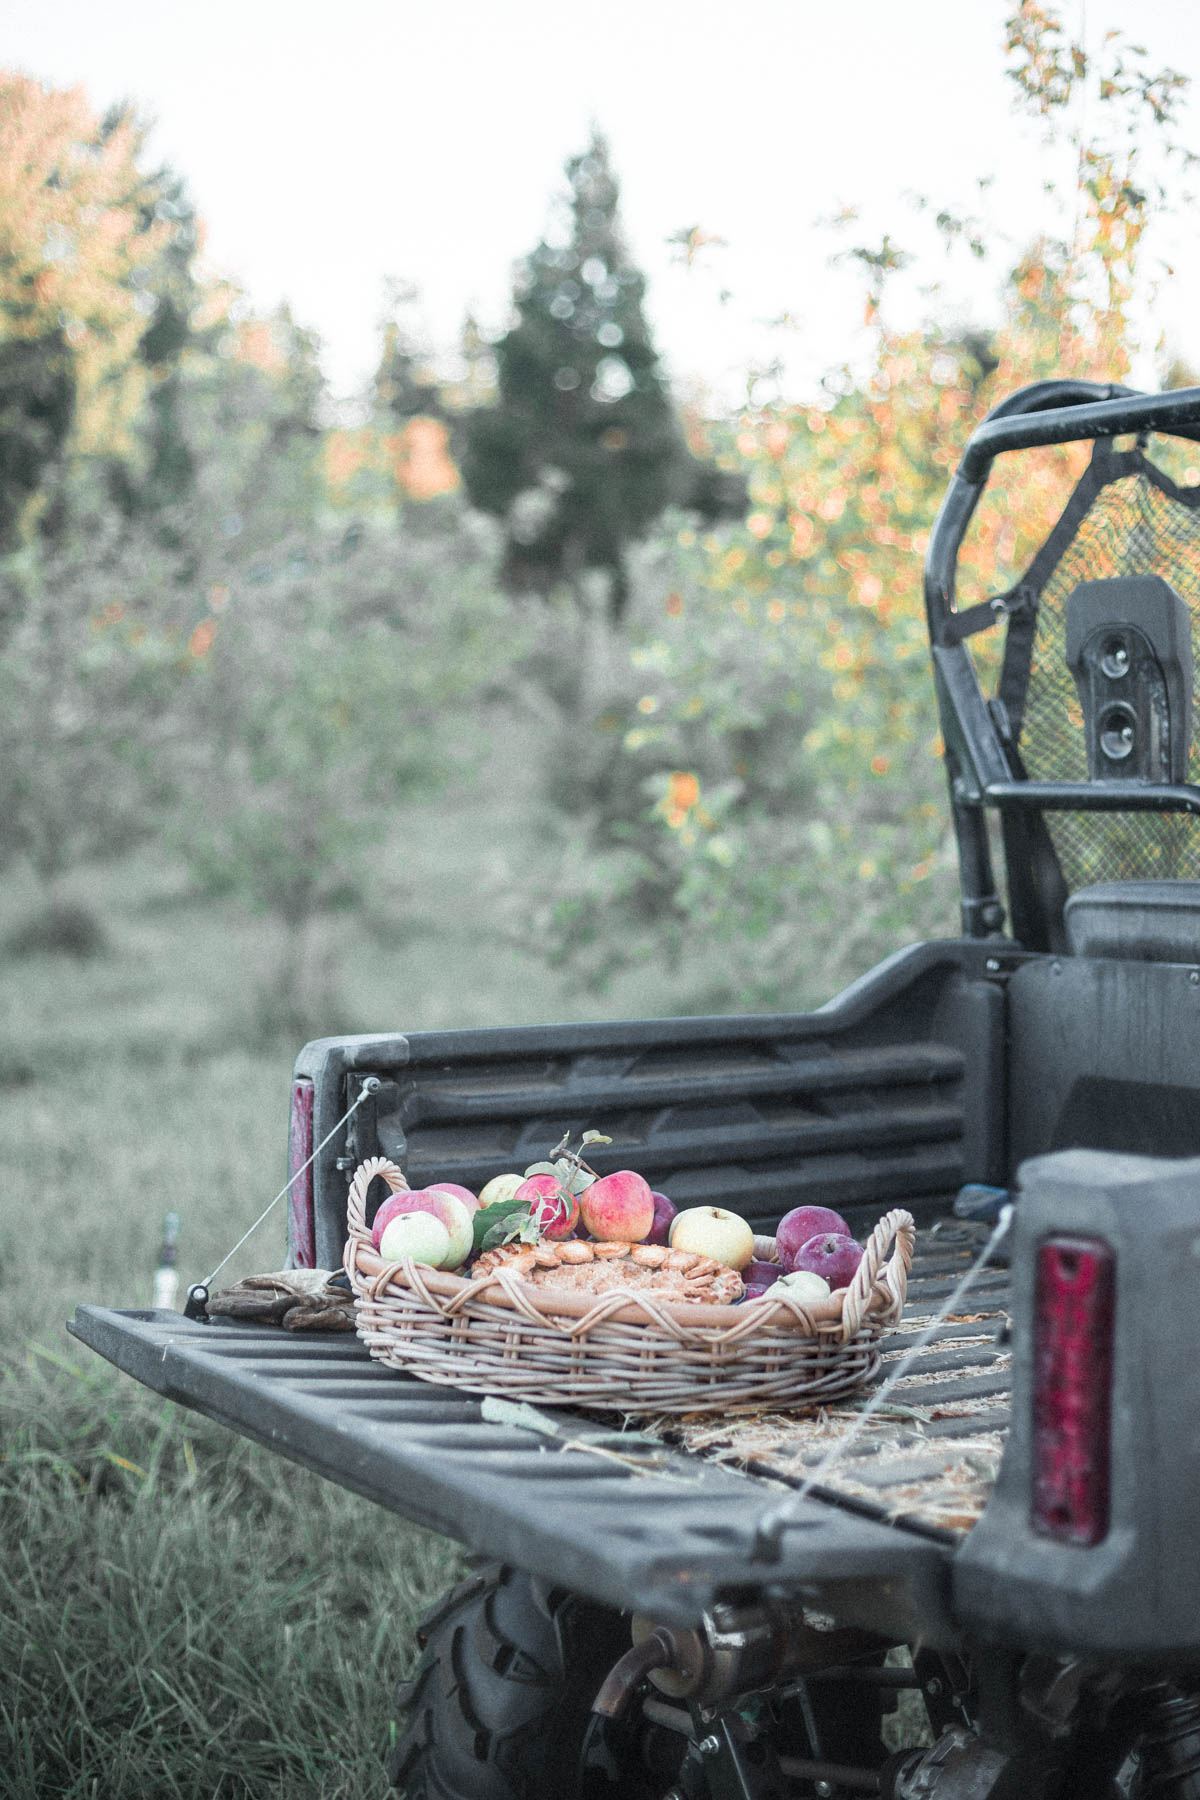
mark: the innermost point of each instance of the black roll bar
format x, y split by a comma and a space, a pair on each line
983, 769
1046, 412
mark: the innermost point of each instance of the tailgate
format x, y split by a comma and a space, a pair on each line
632, 1522
659, 1524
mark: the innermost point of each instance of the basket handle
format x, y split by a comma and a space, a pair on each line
364, 1175
897, 1232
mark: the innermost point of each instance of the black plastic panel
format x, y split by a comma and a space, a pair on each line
890, 1095
666, 1537
1105, 1056
1135, 1594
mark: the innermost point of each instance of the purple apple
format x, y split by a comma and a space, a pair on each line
759, 1276
804, 1222
833, 1255
664, 1212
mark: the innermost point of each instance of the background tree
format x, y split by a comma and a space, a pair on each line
82, 235
406, 448
774, 747
247, 418
88, 678
582, 450
406, 384
163, 477
323, 695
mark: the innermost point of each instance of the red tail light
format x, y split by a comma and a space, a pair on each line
302, 1233
1073, 1355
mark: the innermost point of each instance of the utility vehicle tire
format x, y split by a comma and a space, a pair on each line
502, 1696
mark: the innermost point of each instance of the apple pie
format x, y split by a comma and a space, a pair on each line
597, 1268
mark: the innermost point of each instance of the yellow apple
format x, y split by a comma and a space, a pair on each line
712, 1231
500, 1187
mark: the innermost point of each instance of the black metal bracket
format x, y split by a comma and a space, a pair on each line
196, 1304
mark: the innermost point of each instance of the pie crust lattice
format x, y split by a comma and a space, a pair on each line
599, 1268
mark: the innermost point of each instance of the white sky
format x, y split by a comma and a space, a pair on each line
330, 147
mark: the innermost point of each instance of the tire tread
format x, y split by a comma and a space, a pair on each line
498, 1703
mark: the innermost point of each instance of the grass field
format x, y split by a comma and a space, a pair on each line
182, 1614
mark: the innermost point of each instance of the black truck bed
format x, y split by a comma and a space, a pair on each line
892, 1094
928, 1456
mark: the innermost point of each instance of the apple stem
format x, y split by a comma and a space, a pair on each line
563, 1149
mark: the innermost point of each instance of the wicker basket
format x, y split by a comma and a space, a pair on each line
627, 1352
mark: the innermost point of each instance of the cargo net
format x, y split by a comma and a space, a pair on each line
1134, 523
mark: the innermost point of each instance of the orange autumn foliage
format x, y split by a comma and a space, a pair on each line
420, 459
797, 685
76, 250
414, 461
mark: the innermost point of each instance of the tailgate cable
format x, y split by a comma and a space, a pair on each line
197, 1296
768, 1537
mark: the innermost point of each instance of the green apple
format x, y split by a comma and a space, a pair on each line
439, 1203
418, 1236
804, 1285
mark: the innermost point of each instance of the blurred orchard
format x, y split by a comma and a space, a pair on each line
237, 627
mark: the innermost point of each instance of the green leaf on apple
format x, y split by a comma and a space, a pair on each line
518, 1224
542, 1168
500, 1214
596, 1137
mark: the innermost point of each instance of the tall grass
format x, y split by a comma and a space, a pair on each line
182, 1614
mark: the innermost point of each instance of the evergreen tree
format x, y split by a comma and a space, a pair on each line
406, 386
168, 293
582, 450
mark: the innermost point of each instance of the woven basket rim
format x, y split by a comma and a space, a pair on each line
874, 1296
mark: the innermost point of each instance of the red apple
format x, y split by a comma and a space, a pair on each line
553, 1210
664, 1212
446, 1208
389, 1209
619, 1208
469, 1200
834, 1255
804, 1222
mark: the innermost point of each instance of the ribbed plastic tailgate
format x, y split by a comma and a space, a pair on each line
631, 1522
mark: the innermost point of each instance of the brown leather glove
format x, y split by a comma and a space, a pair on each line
297, 1299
